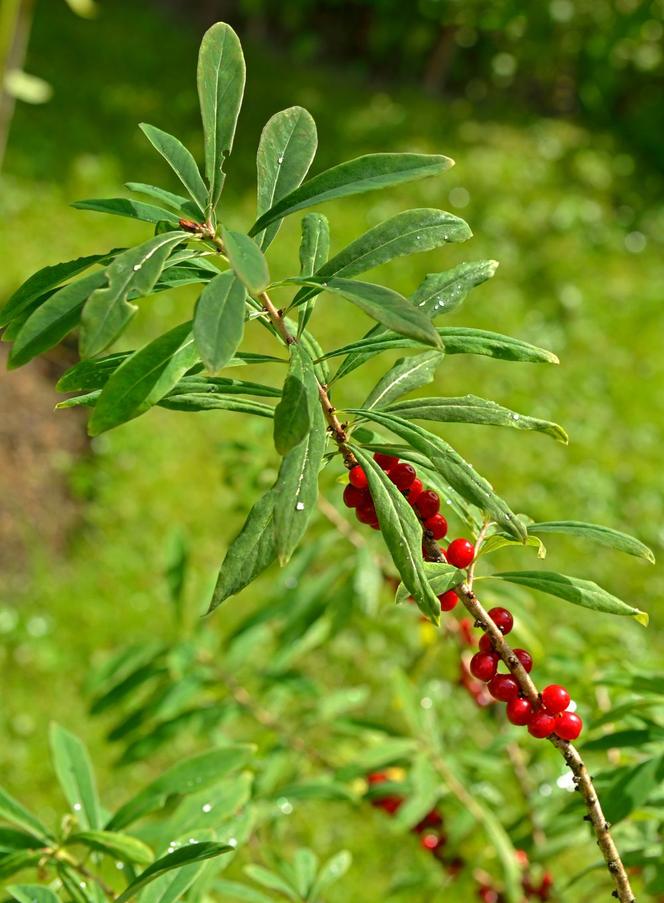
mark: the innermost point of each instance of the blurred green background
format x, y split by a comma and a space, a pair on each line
556, 172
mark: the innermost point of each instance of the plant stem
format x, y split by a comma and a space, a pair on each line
68, 859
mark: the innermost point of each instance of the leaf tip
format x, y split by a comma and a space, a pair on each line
642, 617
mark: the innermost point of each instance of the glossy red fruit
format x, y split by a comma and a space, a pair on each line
402, 475
376, 777
541, 724
502, 618
427, 503
353, 497
391, 803
485, 643
448, 600
483, 665
366, 514
436, 525
460, 553
519, 711
504, 687
385, 461
568, 726
358, 478
525, 658
430, 841
555, 699
432, 819
414, 491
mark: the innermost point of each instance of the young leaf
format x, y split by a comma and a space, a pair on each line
458, 473
247, 261
221, 76
471, 409
367, 173
194, 852
498, 541
181, 162
143, 379
408, 373
120, 846
252, 550
74, 770
16, 814
293, 415
402, 533
148, 213
603, 536
296, 489
108, 310
52, 320
181, 205
32, 893
441, 293
572, 589
285, 152
219, 320
314, 251
271, 880
188, 776
442, 577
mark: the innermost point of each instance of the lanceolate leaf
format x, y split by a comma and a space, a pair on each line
247, 260
120, 846
407, 374
294, 414
221, 76
219, 320
250, 553
199, 384
108, 310
32, 893
402, 533
148, 213
194, 403
603, 536
194, 852
314, 251
181, 162
52, 320
471, 409
296, 489
442, 577
144, 378
458, 473
572, 589
16, 814
74, 771
441, 293
285, 152
367, 173
183, 206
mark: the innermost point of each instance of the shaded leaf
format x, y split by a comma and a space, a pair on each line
181, 162
219, 320
17, 862
630, 787
294, 414
194, 852
11, 840
120, 846
148, 213
247, 261
181, 205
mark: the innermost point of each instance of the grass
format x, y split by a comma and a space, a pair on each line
576, 227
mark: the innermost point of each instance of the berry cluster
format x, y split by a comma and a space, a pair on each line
552, 715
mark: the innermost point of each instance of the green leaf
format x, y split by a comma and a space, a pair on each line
187, 776
42, 281
171, 888
181, 162
403, 534
32, 893
426, 788
143, 379
441, 293
247, 261
52, 320
221, 76
90, 374
314, 251
108, 310
148, 213
471, 409
406, 374
121, 846
367, 173
271, 880
296, 489
177, 202
633, 738
462, 340
603, 536
16, 814
305, 866
388, 751
74, 770
499, 541
252, 550
459, 474
285, 152
572, 589
17, 862
294, 414
630, 787
195, 403
235, 890
219, 320
334, 869
198, 384
194, 852
11, 840
441, 577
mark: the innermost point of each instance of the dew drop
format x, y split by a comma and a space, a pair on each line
299, 506
280, 160
119, 866
426, 702
515, 416
207, 807
137, 267
232, 841
77, 807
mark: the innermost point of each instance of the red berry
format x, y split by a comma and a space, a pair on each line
385, 461
460, 553
525, 658
502, 618
448, 600
376, 777
485, 643
541, 724
402, 475
483, 665
353, 497
568, 726
436, 525
503, 687
427, 503
358, 478
414, 491
555, 699
430, 841
366, 514
432, 819
519, 711
391, 803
